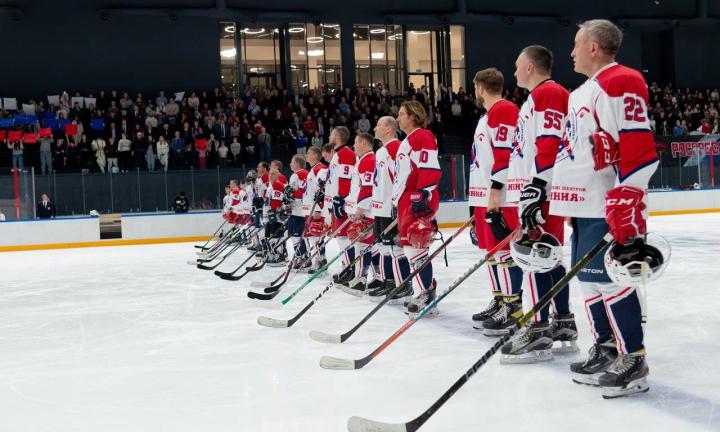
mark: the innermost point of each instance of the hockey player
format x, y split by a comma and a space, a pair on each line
261, 181
226, 215
276, 216
337, 187
358, 208
416, 197
495, 218
537, 138
315, 197
392, 258
294, 199
600, 180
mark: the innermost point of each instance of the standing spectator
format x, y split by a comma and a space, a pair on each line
163, 152
125, 153
85, 153
202, 156
17, 154
363, 124
112, 156
222, 132
46, 164
235, 149
212, 154
150, 154
181, 203
98, 147
317, 139
45, 208
264, 143
309, 126
301, 143
59, 159
678, 129
177, 146
222, 154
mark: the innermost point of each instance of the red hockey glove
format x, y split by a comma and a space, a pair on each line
605, 150
623, 212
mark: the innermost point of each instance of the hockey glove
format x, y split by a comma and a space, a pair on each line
257, 203
623, 212
289, 192
605, 150
319, 197
532, 196
419, 202
497, 224
338, 204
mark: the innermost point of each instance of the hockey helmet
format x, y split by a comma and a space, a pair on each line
251, 176
536, 253
355, 230
420, 233
641, 261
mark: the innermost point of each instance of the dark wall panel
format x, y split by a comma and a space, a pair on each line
565, 8
696, 62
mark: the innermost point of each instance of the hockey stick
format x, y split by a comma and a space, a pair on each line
203, 247
286, 273
223, 241
224, 257
231, 276
276, 323
224, 244
327, 362
277, 305
321, 244
359, 424
328, 338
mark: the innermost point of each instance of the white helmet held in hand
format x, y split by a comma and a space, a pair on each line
536, 253
641, 261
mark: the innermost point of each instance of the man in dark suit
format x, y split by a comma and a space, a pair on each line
45, 208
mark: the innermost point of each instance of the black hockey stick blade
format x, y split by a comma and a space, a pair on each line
262, 296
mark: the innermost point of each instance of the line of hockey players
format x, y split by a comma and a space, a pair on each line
582, 158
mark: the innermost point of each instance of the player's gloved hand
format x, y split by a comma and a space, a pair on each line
339, 207
623, 212
532, 196
497, 224
272, 217
605, 150
319, 197
289, 191
419, 203
257, 203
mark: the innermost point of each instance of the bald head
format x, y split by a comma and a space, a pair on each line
386, 129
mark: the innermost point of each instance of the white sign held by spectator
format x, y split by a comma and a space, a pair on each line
77, 99
28, 109
10, 104
179, 96
54, 100
90, 101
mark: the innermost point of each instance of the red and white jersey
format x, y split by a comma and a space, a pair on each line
298, 181
614, 100
361, 186
490, 154
416, 165
537, 137
261, 185
383, 179
249, 194
274, 194
316, 176
227, 200
339, 175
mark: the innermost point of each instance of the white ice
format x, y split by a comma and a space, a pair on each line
131, 338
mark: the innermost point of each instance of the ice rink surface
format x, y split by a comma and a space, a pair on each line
132, 338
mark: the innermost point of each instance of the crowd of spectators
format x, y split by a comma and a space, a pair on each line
675, 111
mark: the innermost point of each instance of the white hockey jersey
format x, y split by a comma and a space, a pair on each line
361, 186
383, 179
316, 176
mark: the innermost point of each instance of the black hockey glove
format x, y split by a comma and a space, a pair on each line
419, 202
289, 192
497, 224
532, 197
257, 203
339, 207
319, 197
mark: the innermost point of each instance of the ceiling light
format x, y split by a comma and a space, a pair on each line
377, 31
329, 70
296, 30
315, 52
230, 29
256, 69
331, 25
315, 39
378, 55
301, 52
423, 32
253, 32
293, 67
228, 53
395, 37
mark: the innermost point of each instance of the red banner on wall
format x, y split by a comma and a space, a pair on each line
686, 149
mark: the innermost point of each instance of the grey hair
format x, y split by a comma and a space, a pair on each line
605, 33
391, 122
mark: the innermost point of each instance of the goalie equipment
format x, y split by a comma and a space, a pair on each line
420, 233
356, 228
638, 262
536, 253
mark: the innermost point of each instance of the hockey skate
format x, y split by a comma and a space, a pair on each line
355, 287
277, 260
378, 294
532, 344
627, 375
419, 302
564, 331
401, 297
489, 311
506, 317
600, 357
301, 263
343, 278
317, 265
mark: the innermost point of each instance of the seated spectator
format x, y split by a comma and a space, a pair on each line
363, 124
45, 208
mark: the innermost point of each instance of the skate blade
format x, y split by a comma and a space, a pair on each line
637, 386
352, 292
478, 325
376, 299
494, 333
277, 264
527, 358
431, 314
398, 301
591, 380
566, 347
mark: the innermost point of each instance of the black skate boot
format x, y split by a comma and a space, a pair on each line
507, 316
600, 357
564, 331
532, 344
403, 296
417, 304
277, 260
301, 263
344, 277
378, 294
627, 375
355, 287
489, 311
317, 266
375, 284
